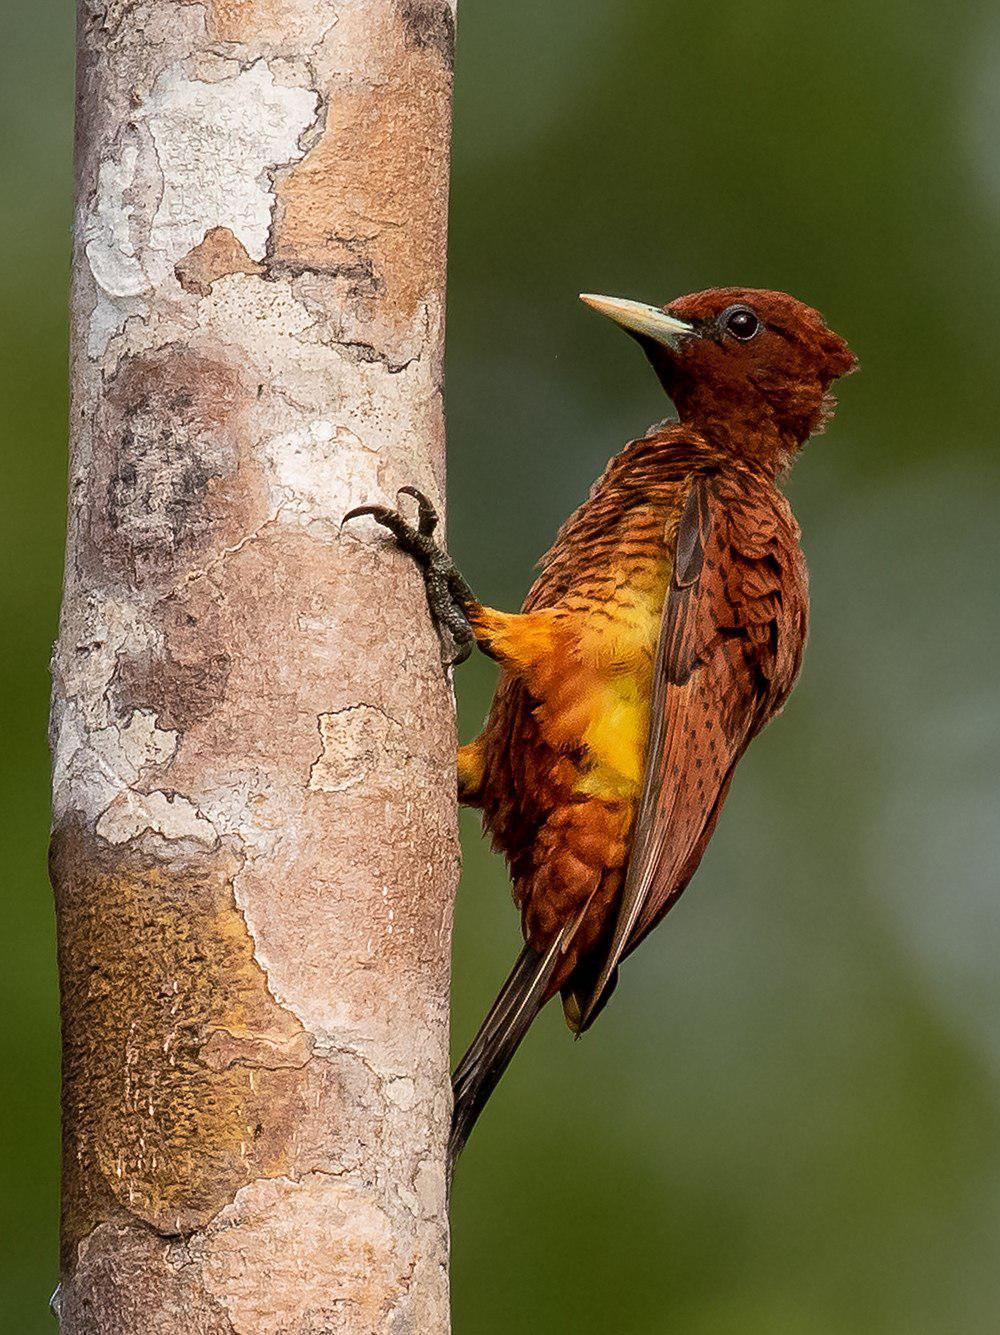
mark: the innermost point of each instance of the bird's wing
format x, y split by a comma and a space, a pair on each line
729, 649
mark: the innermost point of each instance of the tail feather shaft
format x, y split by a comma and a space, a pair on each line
521, 998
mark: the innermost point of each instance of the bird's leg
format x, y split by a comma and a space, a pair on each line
448, 595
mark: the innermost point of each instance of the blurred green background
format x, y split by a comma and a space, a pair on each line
789, 1118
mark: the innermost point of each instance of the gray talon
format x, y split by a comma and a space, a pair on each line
427, 516
447, 592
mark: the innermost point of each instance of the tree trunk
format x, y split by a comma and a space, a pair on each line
254, 847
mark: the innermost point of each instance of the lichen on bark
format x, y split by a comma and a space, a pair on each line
254, 846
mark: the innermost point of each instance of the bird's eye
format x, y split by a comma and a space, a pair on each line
740, 322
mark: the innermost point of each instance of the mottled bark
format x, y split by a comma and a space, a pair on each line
254, 847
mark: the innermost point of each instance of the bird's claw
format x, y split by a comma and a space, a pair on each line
447, 592
427, 516
416, 540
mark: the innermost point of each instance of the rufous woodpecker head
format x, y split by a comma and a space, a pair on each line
748, 367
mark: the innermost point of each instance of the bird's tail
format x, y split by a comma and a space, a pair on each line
521, 998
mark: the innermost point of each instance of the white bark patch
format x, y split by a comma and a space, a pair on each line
109, 244
248, 806
431, 1189
166, 815
402, 1092
207, 149
356, 742
215, 143
324, 1240
320, 466
95, 631
319, 472
110, 247
92, 768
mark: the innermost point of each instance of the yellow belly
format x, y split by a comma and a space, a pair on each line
616, 740
618, 698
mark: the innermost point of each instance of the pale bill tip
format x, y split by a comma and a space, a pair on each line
638, 317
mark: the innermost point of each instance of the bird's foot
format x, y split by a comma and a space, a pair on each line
448, 595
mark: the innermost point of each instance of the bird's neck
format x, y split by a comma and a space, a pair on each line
749, 435
671, 451
665, 456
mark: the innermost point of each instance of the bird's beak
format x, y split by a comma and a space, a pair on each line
638, 318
